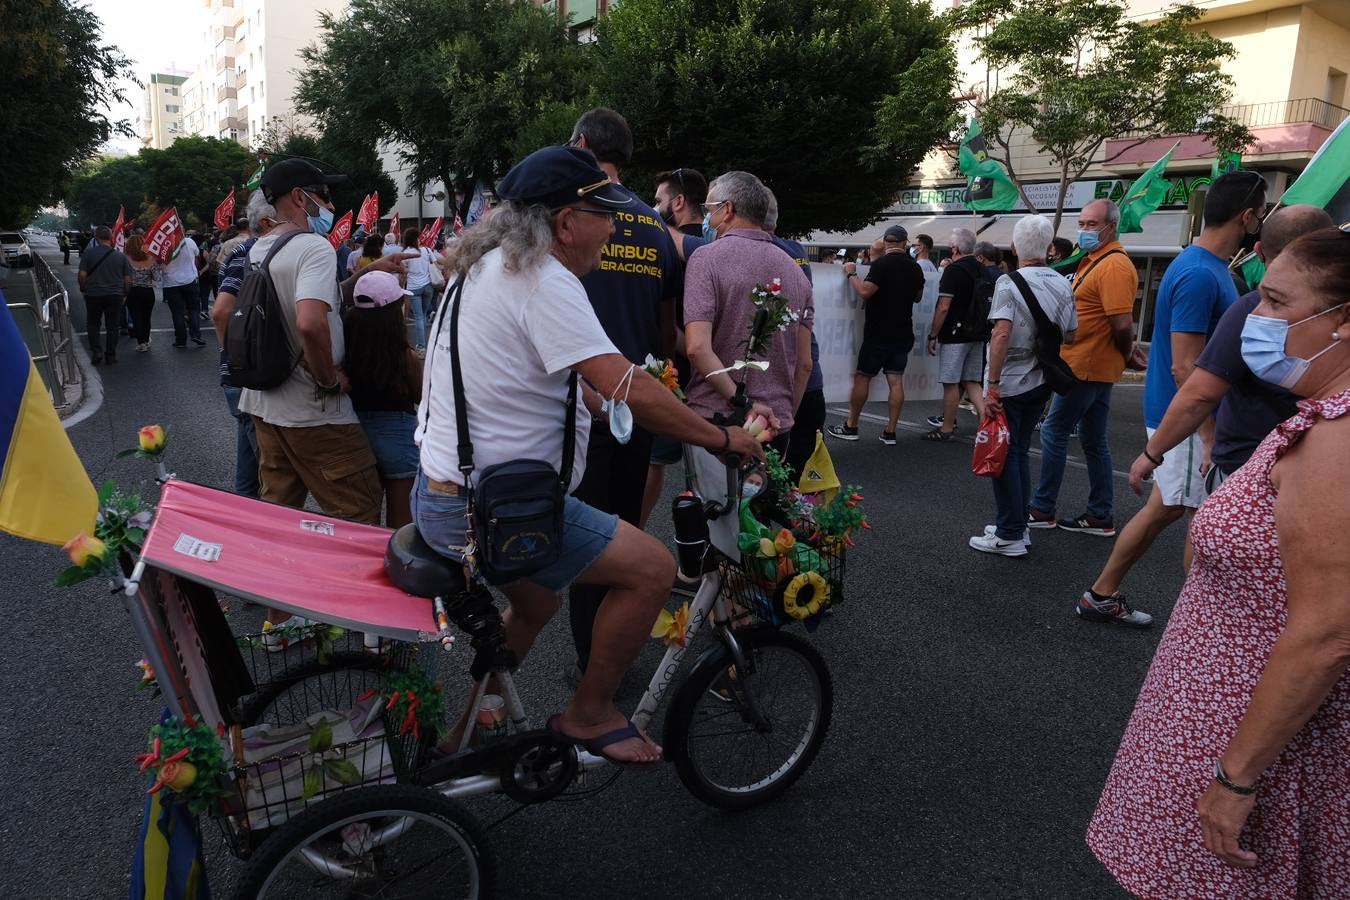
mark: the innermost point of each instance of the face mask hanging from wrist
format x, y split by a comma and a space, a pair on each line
1263, 349
620, 416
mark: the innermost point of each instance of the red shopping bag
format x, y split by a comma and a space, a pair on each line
991, 446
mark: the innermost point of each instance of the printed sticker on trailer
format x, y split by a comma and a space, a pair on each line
191, 546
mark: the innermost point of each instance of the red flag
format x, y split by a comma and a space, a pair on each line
341, 230
164, 236
119, 239
430, 233
225, 211
459, 224
393, 227
369, 213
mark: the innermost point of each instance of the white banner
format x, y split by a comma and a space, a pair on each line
838, 330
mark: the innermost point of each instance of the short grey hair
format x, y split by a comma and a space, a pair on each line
988, 251
1112, 210
524, 231
259, 209
103, 233
1031, 237
770, 222
963, 239
746, 192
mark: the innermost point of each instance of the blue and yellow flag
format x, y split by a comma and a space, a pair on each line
169, 863
45, 494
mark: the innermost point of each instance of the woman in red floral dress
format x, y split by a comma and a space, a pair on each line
1233, 776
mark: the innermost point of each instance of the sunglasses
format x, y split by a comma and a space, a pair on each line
319, 193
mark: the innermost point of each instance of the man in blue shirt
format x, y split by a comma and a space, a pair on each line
1194, 294
633, 293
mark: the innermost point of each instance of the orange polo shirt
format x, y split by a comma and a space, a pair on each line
1105, 286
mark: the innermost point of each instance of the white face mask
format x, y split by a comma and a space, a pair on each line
620, 416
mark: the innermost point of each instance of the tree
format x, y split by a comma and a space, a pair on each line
359, 163
453, 82
832, 103
103, 185
194, 174
57, 80
1084, 74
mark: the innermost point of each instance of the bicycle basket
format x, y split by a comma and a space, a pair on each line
785, 588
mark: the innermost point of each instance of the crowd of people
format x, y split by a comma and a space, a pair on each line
1231, 776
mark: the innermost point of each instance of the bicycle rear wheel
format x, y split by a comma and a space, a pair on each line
389, 841
740, 736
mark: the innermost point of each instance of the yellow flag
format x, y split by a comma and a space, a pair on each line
818, 474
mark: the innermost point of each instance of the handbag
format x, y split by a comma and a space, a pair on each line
1049, 338
515, 508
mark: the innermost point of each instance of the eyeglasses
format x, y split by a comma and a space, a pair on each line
319, 193
709, 207
588, 209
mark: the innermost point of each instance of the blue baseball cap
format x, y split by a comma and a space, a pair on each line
559, 176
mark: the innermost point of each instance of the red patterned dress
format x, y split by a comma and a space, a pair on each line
1231, 610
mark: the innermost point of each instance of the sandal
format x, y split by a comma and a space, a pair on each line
598, 743
937, 434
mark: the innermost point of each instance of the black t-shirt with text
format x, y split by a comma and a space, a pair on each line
888, 316
958, 282
638, 272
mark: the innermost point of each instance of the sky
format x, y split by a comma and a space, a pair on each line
154, 35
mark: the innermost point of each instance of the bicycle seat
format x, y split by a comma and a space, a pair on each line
413, 566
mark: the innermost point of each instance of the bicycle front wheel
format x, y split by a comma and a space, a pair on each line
742, 735
388, 841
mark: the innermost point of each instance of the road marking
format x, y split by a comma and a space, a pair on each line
925, 427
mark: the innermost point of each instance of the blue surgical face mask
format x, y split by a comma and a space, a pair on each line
322, 223
1089, 240
1263, 341
709, 233
620, 416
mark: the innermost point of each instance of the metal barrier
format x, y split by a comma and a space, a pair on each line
52, 321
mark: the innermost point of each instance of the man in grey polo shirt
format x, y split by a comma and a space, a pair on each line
105, 280
956, 337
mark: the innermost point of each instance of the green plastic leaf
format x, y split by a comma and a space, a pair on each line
72, 575
342, 771
313, 783
321, 738
105, 492
135, 536
123, 454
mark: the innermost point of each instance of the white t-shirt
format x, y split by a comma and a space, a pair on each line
520, 335
419, 268
182, 269
302, 270
1021, 372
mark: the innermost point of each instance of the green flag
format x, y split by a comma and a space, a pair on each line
1326, 180
1145, 195
988, 187
1252, 270
255, 179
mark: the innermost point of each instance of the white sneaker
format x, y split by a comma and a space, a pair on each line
1026, 535
990, 543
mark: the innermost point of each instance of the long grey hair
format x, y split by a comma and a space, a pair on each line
523, 231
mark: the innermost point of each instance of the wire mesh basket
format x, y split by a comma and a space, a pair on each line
788, 587
316, 725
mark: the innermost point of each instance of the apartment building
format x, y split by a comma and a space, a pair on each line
1290, 90
162, 110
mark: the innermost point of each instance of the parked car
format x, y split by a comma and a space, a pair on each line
15, 248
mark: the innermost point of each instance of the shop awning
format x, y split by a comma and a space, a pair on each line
1164, 234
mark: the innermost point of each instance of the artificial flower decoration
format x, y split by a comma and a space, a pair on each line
84, 549
151, 439
759, 428
193, 766
772, 313
672, 627
663, 370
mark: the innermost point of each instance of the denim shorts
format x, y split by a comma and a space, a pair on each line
666, 451
877, 356
391, 440
586, 533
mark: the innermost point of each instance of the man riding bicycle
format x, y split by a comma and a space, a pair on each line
525, 325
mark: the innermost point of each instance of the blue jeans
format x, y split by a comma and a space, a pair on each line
1089, 407
1013, 487
420, 301
245, 447
182, 301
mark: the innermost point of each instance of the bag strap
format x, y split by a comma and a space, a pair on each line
88, 273
1079, 277
465, 448
276, 246
1037, 313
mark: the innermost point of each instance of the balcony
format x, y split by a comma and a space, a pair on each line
241, 78
223, 33
225, 92
1290, 129
224, 63
242, 114
229, 123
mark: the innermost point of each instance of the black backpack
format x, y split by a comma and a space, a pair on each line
258, 345
973, 324
1049, 340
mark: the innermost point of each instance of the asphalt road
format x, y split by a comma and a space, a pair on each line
974, 723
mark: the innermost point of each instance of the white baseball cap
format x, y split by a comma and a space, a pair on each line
376, 289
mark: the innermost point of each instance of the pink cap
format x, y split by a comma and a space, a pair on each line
376, 289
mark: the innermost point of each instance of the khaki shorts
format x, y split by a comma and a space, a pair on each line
331, 462
1178, 478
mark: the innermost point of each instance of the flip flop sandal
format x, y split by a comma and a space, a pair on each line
598, 743
937, 434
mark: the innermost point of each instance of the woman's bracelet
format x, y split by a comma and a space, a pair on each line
1227, 783
1158, 461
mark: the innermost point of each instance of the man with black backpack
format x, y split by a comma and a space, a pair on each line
310, 441
960, 330
1033, 312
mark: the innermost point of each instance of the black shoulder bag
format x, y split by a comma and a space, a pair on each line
1049, 339
516, 507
